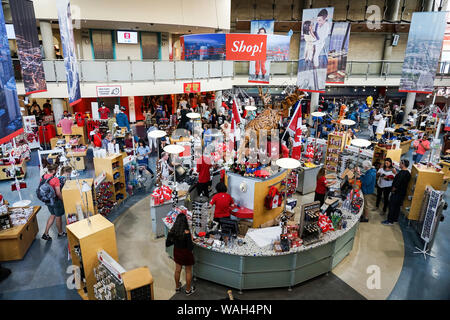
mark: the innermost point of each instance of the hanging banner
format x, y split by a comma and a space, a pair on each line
131, 109
10, 117
191, 87
68, 44
235, 46
259, 71
423, 51
28, 48
337, 52
314, 45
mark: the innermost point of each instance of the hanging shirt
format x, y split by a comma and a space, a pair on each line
122, 120
66, 125
103, 111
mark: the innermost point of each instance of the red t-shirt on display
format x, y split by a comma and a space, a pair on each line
103, 111
321, 187
223, 202
203, 166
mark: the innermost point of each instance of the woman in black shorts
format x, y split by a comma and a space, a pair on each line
180, 237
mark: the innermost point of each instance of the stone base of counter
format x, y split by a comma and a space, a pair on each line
258, 272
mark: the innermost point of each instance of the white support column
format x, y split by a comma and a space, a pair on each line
47, 40
409, 104
58, 108
314, 104
218, 100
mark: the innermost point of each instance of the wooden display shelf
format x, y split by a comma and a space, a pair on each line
405, 145
136, 279
394, 154
98, 234
421, 176
22, 165
15, 242
72, 198
334, 150
106, 165
78, 159
76, 131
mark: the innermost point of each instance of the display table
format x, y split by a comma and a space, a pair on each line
76, 131
252, 267
22, 165
15, 242
307, 178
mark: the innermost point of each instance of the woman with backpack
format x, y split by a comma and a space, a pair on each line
180, 237
53, 200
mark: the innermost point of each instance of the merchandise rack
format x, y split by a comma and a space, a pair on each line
112, 165
333, 151
380, 153
72, 198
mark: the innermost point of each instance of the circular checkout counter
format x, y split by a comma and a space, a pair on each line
252, 267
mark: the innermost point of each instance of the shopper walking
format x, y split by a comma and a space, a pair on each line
368, 180
55, 206
385, 176
180, 237
165, 167
398, 193
142, 153
422, 146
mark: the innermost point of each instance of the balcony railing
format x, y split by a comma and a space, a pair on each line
356, 69
106, 71
135, 70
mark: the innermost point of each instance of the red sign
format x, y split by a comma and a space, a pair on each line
191, 87
126, 35
246, 47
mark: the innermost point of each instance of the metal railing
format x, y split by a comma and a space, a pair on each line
356, 69
109, 71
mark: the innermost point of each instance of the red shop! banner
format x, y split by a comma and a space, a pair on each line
246, 47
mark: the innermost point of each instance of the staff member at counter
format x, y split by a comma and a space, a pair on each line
223, 202
204, 177
321, 186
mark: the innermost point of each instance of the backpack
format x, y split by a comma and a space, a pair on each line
45, 192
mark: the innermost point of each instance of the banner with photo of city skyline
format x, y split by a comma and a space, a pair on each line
11, 124
235, 46
314, 46
28, 48
423, 51
68, 44
259, 71
338, 51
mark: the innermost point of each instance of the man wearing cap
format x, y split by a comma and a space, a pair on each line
122, 119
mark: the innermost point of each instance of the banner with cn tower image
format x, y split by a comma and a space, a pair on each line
28, 48
11, 124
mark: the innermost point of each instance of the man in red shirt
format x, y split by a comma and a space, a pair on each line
223, 202
57, 209
204, 177
97, 139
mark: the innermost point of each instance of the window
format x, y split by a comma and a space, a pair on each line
102, 44
150, 45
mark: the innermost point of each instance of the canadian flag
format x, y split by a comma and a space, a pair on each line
296, 121
295, 128
235, 119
